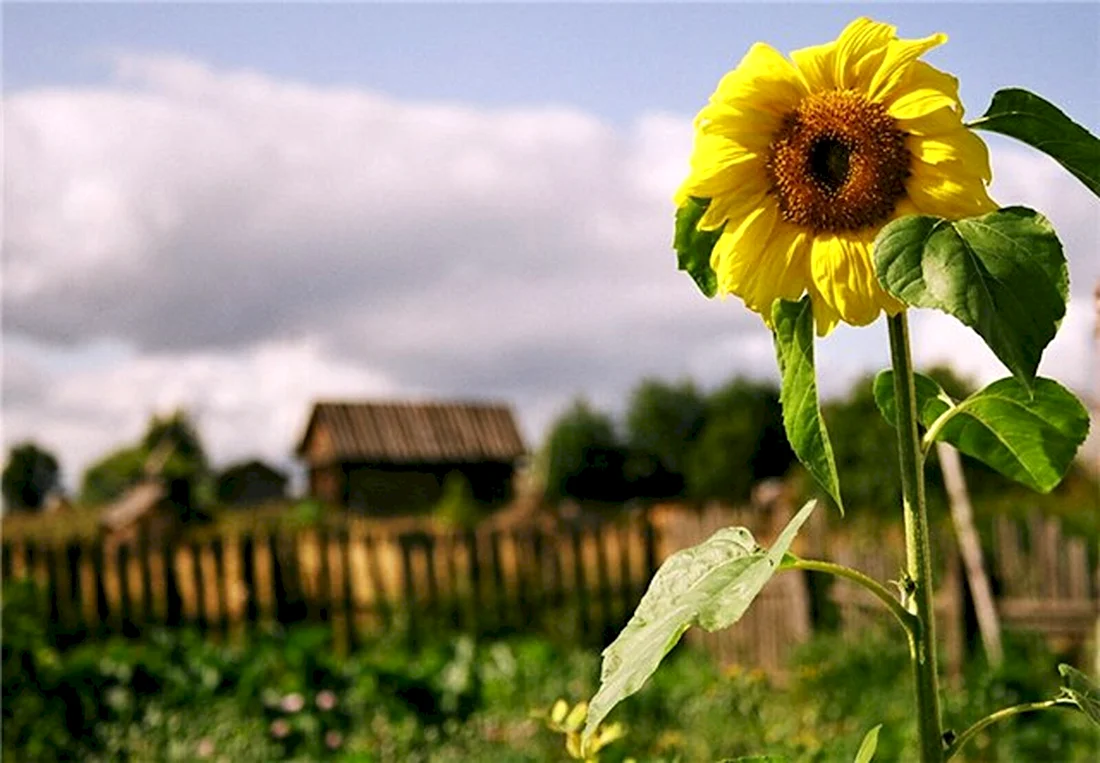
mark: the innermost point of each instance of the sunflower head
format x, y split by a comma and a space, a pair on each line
801, 162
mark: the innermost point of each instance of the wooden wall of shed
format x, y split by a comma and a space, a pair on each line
385, 489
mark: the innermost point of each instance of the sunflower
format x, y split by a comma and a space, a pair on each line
804, 161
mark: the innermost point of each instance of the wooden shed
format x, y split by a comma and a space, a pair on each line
392, 457
146, 508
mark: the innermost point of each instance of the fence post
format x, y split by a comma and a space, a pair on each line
122, 567
221, 587
200, 587
344, 542
102, 606
146, 575
173, 603
580, 588
476, 620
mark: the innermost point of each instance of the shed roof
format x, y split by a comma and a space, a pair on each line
411, 432
133, 504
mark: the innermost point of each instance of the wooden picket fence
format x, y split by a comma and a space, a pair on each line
580, 580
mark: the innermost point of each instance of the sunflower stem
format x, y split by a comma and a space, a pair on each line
918, 551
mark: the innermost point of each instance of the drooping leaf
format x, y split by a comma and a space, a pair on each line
867, 748
1030, 437
1082, 692
709, 585
1002, 274
794, 345
693, 246
1026, 117
932, 401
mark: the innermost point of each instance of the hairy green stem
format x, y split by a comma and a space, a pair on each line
1000, 715
918, 550
876, 588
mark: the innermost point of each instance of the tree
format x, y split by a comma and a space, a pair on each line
662, 423
170, 448
29, 476
583, 458
110, 477
866, 452
742, 441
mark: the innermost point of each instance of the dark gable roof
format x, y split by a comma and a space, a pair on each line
418, 432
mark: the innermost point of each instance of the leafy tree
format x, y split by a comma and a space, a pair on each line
109, 478
583, 457
866, 451
170, 448
741, 442
662, 423
29, 476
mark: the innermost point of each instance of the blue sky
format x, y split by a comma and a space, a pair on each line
615, 60
240, 208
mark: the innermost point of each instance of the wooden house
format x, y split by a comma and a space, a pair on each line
393, 457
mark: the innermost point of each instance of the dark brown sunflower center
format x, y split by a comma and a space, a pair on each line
838, 163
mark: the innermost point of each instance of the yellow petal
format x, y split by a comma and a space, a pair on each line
765, 79
739, 249
753, 128
947, 190
816, 65
714, 167
735, 206
900, 55
844, 275
960, 146
860, 50
924, 90
825, 317
781, 271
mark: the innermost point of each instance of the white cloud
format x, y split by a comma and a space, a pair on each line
247, 244
250, 403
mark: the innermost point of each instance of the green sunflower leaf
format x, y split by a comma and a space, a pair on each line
794, 345
1080, 691
932, 401
693, 246
710, 585
1030, 436
1042, 125
870, 744
1002, 274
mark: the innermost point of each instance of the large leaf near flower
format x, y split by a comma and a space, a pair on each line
1030, 436
709, 585
1002, 274
794, 345
693, 246
1042, 125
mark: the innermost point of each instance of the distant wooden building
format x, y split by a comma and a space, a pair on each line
392, 457
144, 509
250, 483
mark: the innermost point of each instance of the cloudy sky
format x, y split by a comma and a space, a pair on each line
243, 208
